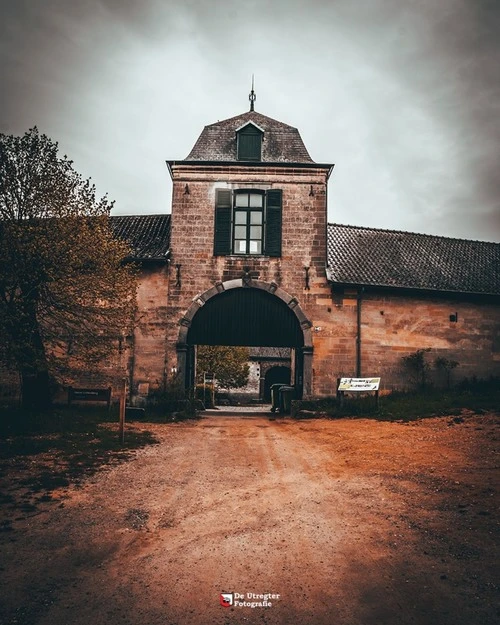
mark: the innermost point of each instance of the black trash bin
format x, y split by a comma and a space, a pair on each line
286, 394
275, 398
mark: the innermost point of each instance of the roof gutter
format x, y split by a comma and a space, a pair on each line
256, 164
403, 289
358, 331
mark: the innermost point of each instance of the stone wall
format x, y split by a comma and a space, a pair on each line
148, 368
393, 326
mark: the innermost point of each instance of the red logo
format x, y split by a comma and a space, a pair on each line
226, 599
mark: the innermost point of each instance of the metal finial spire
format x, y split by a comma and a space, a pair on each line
252, 97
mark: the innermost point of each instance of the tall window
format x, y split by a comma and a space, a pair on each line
248, 227
247, 221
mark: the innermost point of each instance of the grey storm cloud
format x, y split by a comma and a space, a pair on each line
402, 95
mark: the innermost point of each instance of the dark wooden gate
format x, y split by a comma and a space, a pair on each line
247, 317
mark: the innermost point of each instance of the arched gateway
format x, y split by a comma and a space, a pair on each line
251, 313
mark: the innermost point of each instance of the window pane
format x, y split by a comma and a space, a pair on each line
255, 199
256, 217
240, 247
256, 232
240, 232
241, 199
255, 247
240, 217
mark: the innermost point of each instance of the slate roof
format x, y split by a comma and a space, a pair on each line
281, 144
147, 235
390, 258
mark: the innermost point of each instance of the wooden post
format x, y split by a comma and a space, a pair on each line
340, 394
123, 394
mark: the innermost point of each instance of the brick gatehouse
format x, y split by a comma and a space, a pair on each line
247, 257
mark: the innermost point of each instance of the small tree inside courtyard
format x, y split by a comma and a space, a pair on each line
228, 364
65, 292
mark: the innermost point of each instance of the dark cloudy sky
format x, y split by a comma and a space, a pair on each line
402, 95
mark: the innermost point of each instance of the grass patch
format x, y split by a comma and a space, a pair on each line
475, 396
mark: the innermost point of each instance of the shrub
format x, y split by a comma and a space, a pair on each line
173, 400
417, 368
446, 366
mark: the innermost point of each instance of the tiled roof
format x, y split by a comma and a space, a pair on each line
370, 257
277, 353
281, 144
147, 235
362, 256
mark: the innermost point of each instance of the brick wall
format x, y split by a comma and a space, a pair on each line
149, 367
192, 234
393, 326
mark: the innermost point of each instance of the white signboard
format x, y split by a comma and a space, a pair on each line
359, 384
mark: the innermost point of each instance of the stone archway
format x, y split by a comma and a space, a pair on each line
278, 303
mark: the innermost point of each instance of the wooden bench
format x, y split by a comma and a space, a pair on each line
89, 394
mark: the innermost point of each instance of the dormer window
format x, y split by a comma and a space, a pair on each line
249, 143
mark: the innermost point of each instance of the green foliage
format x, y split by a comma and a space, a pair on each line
228, 364
417, 368
66, 297
446, 366
171, 400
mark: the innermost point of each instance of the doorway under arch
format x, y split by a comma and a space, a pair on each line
243, 313
275, 375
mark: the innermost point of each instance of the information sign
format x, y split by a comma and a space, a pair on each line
359, 384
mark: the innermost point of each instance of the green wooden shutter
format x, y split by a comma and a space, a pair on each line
273, 223
222, 234
249, 144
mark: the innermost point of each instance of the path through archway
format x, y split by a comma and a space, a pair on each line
276, 375
254, 315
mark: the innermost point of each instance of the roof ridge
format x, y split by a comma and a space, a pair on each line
250, 113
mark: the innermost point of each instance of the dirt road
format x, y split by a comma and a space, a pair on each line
350, 522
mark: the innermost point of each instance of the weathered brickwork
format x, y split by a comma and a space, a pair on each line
192, 234
308, 286
149, 366
393, 326
138, 358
